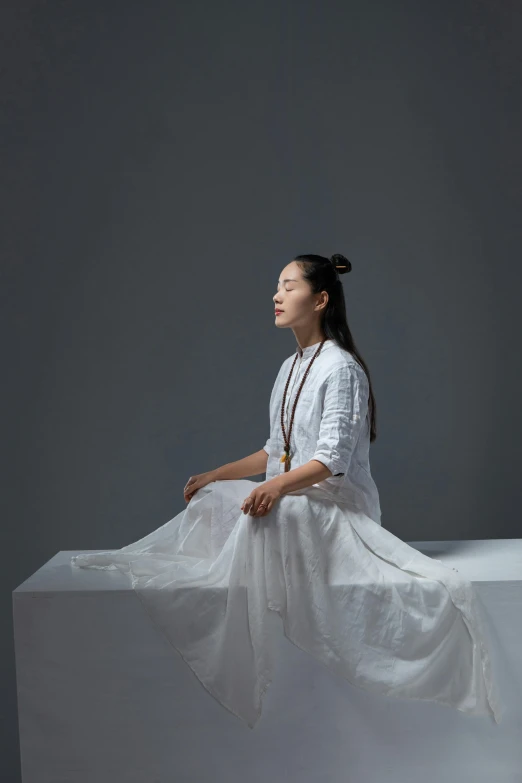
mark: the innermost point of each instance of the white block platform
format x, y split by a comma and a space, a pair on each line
104, 698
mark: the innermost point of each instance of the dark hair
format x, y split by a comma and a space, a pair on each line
322, 274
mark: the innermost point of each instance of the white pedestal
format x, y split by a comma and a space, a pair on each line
104, 698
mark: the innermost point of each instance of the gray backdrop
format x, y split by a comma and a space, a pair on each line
160, 164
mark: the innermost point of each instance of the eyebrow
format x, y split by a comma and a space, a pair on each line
288, 279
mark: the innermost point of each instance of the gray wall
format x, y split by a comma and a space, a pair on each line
160, 164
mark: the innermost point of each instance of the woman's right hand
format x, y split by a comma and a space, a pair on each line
196, 482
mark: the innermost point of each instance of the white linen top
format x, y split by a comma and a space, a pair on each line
331, 424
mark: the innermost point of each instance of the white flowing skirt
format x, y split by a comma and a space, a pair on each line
373, 609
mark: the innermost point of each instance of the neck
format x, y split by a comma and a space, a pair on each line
308, 335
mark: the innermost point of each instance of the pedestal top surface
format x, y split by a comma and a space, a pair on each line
480, 560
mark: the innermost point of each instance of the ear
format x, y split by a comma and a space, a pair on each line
323, 300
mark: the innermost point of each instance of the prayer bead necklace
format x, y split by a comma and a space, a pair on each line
286, 456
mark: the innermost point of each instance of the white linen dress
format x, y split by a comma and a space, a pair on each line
350, 593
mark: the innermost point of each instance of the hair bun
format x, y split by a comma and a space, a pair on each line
341, 263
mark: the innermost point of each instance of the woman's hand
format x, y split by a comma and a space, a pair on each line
196, 482
261, 500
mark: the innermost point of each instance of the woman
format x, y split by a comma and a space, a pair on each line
308, 543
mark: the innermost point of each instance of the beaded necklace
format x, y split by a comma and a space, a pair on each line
286, 456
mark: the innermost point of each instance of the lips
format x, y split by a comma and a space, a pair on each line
278, 311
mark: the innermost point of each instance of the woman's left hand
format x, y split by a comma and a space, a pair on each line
261, 500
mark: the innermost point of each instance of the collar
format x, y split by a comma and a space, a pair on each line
305, 353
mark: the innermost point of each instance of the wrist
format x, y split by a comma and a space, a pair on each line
280, 483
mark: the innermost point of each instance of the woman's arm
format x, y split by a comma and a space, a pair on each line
252, 465
298, 478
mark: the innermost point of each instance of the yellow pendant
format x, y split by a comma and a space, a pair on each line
286, 459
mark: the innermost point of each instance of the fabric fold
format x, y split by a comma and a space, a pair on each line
367, 605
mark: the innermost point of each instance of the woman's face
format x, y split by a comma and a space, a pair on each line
294, 299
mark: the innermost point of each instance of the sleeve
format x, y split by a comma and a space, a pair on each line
344, 413
267, 446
